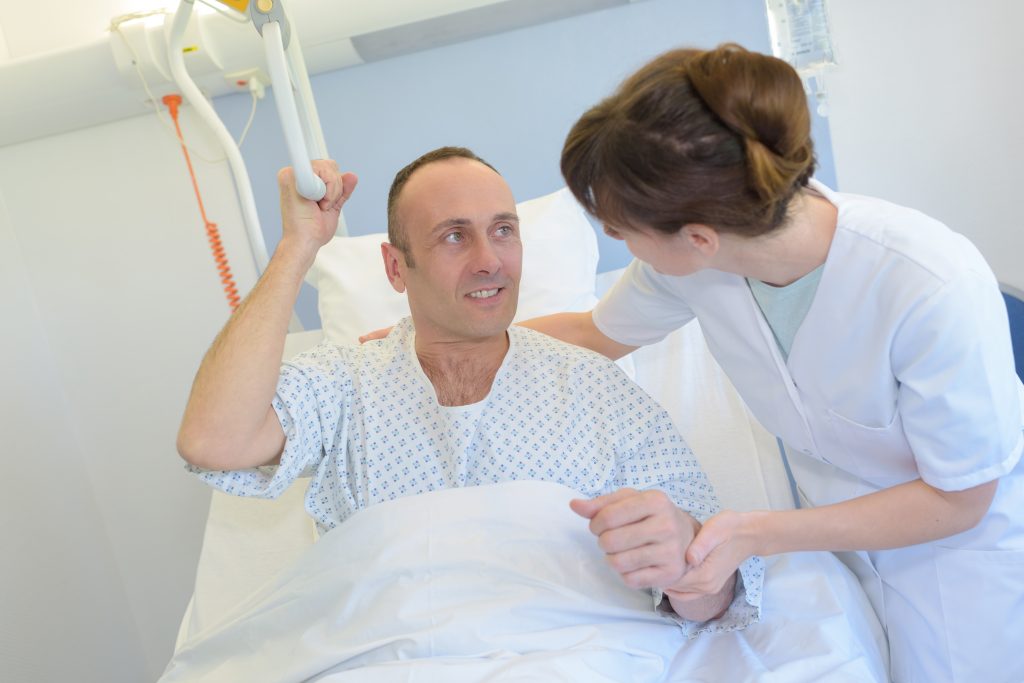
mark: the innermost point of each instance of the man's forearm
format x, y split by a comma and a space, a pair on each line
228, 422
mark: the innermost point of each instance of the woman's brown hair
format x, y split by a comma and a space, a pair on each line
718, 137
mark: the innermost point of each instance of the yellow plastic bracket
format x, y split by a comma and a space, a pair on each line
238, 5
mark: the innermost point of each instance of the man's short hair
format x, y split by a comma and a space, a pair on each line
396, 233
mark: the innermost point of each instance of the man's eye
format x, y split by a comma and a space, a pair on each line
454, 237
505, 230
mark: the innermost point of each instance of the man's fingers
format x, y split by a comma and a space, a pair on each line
326, 171
622, 511
645, 556
346, 185
646, 578
285, 178
588, 508
332, 198
376, 334
349, 182
339, 185
583, 507
644, 532
640, 533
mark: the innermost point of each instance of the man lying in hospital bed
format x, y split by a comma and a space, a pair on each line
496, 579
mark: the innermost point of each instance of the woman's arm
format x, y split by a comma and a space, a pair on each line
574, 328
578, 329
903, 515
906, 514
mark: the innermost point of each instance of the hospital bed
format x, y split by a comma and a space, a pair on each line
817, 624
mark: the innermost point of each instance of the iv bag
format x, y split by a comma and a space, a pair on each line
800, 34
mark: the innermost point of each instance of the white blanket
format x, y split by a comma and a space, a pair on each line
505, 583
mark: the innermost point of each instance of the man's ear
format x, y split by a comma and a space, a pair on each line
394, 265
701, 237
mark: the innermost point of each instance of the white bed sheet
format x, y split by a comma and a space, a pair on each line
817, 624
504, 583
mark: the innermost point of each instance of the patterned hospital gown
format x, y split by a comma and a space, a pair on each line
364, 423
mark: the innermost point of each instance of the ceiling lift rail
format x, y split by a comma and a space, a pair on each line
299, 122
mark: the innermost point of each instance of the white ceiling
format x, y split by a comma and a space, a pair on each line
31, 27
65, 45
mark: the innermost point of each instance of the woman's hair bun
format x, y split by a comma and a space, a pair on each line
761, 99
715, 137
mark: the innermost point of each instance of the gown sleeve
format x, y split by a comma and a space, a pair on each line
308, 408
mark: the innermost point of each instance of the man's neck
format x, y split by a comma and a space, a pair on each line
461, 371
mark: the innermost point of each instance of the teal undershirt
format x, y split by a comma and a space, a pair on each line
785, 308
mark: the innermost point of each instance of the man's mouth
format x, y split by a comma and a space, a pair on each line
484, 293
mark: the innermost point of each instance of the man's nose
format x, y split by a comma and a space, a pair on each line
485, 258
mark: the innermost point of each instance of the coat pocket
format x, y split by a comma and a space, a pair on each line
880, 455
982, 594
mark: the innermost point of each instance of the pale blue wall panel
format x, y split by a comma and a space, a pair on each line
511, 97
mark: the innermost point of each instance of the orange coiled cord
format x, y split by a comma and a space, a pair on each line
212, 233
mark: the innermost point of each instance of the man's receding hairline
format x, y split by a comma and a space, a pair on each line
405, 185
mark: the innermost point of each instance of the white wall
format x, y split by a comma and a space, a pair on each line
61, 589
927, 111
110, 297
5, 53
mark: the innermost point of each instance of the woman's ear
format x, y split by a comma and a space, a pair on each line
394, 265
701, 237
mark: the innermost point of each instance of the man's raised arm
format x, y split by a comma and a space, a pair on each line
229, 422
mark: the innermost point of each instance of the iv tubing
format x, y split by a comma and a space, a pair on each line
206, 111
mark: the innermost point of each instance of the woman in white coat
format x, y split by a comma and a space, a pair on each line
869, 337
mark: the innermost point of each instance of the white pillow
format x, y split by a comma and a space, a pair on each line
559, 267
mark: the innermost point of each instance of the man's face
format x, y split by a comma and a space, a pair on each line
462, 232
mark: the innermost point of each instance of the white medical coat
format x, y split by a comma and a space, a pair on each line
902, 368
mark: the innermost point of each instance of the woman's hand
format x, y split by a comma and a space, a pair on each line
719, 548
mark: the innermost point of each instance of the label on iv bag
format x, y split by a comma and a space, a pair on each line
800, 34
